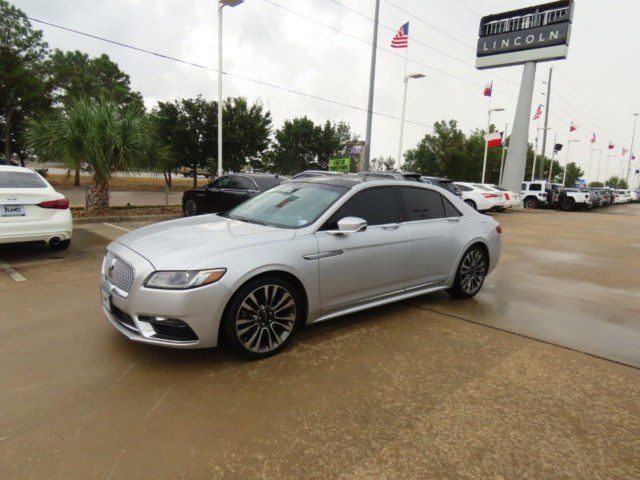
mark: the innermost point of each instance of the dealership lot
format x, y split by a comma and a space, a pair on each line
419, 389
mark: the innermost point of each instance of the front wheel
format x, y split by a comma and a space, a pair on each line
470, 274
262, 317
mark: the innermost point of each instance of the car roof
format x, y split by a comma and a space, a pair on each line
11, 168
334, 180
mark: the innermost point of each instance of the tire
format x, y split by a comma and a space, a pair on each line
470, 274
61, 245
262, 317
190, 208
568, 204
530, 202
472, 204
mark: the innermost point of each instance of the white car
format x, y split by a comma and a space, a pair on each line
621, 196
31, 210
480, 197
635, 196
512, 199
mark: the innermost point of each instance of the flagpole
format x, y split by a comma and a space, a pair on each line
599, 165
404, 104
535, 153
372, 82
486, 143
504, 150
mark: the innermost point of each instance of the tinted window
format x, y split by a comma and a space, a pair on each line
422, 204
222, 182
21, 180
535, 187
267, 182
242, 183
481, 187
450, 210
378, 206
463, 188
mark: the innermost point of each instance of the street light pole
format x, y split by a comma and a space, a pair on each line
372, 82
404, 109
221, 5
486, 144
553, 156
633, 138
535, 154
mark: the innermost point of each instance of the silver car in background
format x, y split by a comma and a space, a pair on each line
300, 253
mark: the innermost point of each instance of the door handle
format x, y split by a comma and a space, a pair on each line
392, 226
454, 219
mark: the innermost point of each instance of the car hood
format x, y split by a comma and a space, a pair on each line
195, 242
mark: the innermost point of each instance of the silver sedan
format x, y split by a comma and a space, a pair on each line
300, 253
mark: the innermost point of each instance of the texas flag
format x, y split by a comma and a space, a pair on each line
494, 140
488, 89
572, 128
611, 146
593, 139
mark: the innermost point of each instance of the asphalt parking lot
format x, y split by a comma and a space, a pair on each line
430, 388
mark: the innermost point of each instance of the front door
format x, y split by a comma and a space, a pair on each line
362, 266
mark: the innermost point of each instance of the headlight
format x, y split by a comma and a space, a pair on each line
181, 280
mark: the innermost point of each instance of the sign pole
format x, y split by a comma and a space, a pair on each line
516, 157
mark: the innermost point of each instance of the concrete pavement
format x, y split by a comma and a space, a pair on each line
397, 392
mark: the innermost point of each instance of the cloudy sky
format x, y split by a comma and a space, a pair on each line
322, 48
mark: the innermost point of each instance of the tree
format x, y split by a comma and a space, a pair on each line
190, 127
574, 172
76, 75
24, 89
100, 134
596, 184
382, 164
617, 182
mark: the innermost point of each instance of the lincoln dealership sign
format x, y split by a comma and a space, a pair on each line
530, 34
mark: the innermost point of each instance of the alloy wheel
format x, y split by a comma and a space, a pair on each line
190, 208
266, 318
472, 272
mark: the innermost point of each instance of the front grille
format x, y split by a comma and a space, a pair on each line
118, 272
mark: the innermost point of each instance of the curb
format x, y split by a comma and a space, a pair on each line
125, 218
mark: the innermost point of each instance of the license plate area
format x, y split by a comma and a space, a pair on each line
12, 211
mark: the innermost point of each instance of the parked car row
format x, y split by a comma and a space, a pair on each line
543, 194
229, 191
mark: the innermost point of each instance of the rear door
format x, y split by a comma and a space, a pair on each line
368, 264
434, 227
20, 194
240, 190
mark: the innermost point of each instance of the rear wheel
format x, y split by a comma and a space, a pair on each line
568, 204
470, 274
472, 204
530, 202
190, 208
262, 317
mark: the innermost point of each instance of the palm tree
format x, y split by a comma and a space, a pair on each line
100, 135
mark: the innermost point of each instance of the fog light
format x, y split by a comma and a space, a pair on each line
163, 320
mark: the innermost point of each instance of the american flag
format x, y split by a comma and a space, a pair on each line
538, 113
572, 128
401, 40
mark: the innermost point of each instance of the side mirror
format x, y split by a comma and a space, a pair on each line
349, 225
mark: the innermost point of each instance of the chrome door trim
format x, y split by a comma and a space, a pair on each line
318, 256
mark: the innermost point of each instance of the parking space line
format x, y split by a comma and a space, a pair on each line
115, 226
14, 274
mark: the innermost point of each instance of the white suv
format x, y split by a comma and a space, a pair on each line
540, 193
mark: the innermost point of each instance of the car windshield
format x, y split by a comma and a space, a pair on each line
290, 205
21, 180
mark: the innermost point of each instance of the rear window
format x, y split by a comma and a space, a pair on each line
265, 183
499, 188
21, 180
535, 187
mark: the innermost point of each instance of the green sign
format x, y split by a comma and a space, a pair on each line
339, 164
